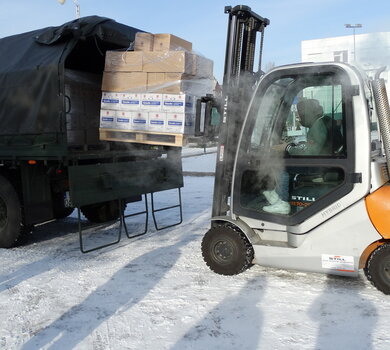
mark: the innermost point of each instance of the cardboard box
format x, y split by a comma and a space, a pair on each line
107, 119
130, 101
178, 103
157, 121
143, 41
110, 100
169, 62
180, 123
167, 42
123, 61
155, 82
124, 81
123, 120
139, 120
151, 102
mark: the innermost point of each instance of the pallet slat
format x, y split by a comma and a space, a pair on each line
145, 137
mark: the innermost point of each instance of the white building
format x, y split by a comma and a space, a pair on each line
367, 51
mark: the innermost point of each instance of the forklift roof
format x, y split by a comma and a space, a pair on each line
32, 68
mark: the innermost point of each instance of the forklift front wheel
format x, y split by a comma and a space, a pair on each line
378, 268
226, 250
10, 214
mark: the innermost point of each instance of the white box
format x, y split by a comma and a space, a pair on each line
178, 103
157, 121
123, 120
180, 123
107, 119
110, 101
140, 120
130, 102
151, 102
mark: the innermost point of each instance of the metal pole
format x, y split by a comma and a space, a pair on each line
77, 8
354, 26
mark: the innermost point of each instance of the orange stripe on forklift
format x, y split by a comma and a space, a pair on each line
378, 208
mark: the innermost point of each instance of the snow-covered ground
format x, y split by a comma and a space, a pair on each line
155, 292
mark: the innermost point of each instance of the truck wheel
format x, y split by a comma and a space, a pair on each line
101, 212
226, 250
10, 214
377, 269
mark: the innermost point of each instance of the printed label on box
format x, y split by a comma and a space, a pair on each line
175, 123
151, 103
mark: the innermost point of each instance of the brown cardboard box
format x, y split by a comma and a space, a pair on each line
167, 42
168, 62
143, 41
155, 82
124, 81
123, 61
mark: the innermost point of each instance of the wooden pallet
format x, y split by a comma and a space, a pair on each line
146, 137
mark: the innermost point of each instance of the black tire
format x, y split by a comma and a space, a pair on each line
377, 269
226, 250
101, 212
10, 214
59, 209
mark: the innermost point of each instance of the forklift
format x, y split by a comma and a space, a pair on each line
338, 201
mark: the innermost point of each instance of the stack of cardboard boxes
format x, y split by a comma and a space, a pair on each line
153, 88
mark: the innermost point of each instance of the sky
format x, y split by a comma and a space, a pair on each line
204, 22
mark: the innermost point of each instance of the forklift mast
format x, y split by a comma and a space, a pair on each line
239, 78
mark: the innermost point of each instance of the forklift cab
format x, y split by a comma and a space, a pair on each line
311, 180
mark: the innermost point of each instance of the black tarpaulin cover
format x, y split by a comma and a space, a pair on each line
32, 68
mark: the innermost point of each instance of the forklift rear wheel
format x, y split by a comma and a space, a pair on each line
377, 269
226, 250
10, 214
101, 212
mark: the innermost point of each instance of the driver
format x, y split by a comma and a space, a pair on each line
323, 138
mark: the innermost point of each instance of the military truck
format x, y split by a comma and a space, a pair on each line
51, 158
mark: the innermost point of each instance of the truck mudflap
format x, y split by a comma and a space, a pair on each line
95, 183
